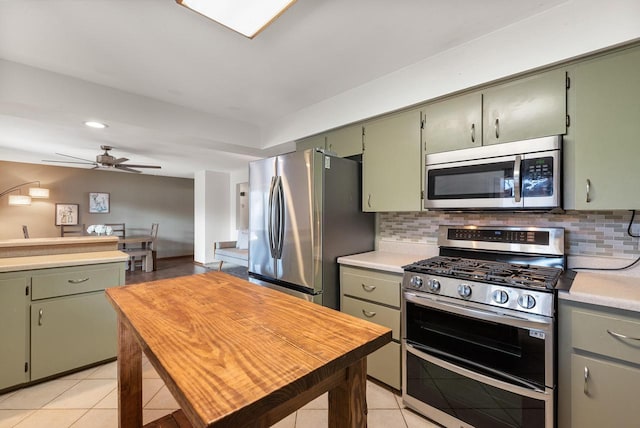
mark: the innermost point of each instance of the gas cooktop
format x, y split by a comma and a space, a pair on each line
492, 272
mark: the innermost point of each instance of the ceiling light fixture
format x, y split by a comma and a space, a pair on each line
247, 17
94, 124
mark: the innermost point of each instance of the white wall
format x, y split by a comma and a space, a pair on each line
571, 29
212, 219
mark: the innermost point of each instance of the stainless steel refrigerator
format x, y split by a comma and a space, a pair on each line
304, 213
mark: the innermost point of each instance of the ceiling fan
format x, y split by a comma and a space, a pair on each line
105, 160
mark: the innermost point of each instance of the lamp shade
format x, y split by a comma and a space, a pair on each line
19, 200
38, 192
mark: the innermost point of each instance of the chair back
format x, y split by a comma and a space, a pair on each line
25, 232
118, 229
72, 230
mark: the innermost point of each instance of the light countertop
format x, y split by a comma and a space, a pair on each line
380, 260
615, 291
13, 264
37, 242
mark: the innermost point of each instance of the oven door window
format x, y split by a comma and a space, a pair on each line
483, 346
480, 181
469, 400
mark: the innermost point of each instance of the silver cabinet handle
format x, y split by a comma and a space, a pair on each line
368, 314
77, 281
586, 378
497, 127
368, 287
621, 336
369, 200
40, 312
588, 190
473, 132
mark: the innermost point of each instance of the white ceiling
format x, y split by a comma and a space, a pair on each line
186, 93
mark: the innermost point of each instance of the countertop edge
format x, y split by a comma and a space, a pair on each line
379, 260
613, 291
16, 264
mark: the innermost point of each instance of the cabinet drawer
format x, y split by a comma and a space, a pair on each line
385, 365
594, 333
74, 280
378, 314
378, 287
611, 398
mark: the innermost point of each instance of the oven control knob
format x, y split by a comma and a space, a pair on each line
434, 285
464, 290
526, 301
500, 296
416, 281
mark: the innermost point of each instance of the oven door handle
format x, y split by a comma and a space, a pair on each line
500, 318
530, 391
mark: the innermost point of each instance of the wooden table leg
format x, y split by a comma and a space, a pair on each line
348, 401
129, 378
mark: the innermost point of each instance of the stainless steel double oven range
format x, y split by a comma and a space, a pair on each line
480, 328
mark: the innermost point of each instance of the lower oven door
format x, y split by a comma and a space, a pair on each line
457, 397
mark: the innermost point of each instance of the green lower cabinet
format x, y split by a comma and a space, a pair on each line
604, 393
71, 332
385, 365
14, 348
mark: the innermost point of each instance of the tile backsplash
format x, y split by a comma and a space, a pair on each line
588, 233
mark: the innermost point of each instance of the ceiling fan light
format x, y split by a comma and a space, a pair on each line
247, 17
94, 124
38, 192
19, 200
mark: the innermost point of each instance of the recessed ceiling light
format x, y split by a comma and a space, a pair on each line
247, 17
93, 124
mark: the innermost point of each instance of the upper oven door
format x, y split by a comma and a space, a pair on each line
482, 183
508, 346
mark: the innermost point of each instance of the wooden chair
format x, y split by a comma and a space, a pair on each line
75, 230
118, 229
154, 235
25, 232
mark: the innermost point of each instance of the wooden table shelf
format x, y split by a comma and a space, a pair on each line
234, 354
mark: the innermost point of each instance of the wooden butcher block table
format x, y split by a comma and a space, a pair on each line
235, 354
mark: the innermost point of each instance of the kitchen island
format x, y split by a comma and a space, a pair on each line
234, 354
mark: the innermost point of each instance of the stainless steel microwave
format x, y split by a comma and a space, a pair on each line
510, 176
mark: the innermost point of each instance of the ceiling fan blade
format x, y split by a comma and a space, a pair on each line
74, 157
144, 166
59, 161
119, 161
126, 168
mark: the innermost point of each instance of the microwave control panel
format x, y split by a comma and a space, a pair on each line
537, 177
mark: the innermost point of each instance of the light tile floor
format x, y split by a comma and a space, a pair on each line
89, 399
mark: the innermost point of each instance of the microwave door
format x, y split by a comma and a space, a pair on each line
486, 183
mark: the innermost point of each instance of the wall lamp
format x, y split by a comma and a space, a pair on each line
20, 199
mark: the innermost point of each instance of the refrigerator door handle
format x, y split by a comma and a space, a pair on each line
281, 219
270, 225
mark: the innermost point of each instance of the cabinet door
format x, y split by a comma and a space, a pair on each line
392, 164
316, 141
605, 146
85, 324
453, 124
345, 141
603, 393
528, 108
13, 331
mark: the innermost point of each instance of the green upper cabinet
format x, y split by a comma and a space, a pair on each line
345, 141
526, 108
392, 163
452, 124
313, 142
603, 145
14, 330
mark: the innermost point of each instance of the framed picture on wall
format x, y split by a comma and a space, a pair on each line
98, 203
66, 214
